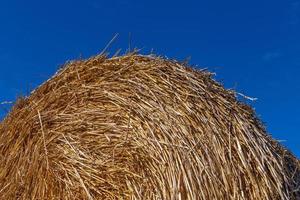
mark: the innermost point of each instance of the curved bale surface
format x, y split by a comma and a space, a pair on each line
139, 127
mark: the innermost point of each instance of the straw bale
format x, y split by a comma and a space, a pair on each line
139, 127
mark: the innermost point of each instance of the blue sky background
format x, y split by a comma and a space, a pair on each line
253, 46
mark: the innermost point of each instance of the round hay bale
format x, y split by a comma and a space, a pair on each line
139, 127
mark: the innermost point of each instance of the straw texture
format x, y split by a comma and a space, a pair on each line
139, 127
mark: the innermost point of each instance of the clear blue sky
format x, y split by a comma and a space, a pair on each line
253, 46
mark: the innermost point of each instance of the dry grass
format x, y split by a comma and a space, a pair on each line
139, 127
